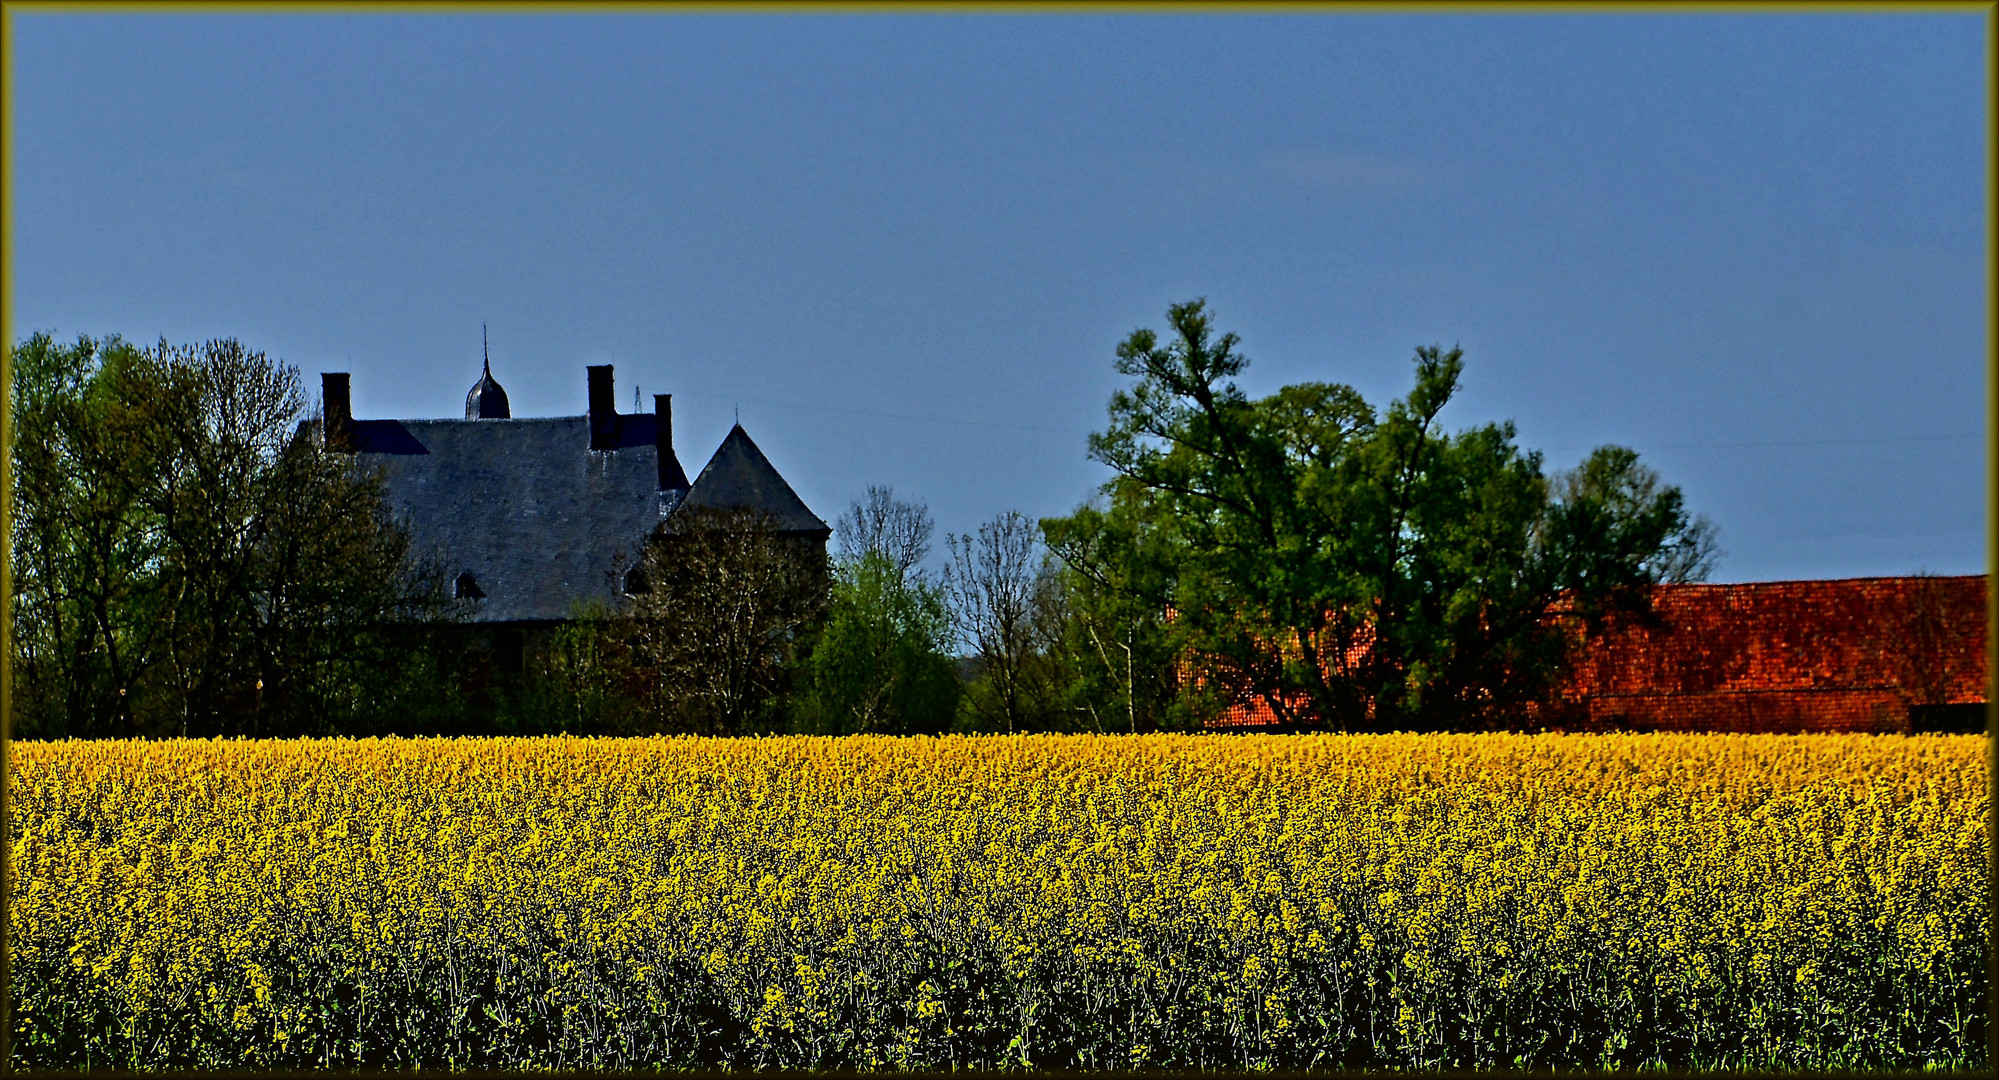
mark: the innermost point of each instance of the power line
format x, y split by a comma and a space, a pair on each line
954, 421
962, 422
1790, 442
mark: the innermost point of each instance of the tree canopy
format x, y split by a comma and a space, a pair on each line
187, 562
1357, 567
881, 661
184, 564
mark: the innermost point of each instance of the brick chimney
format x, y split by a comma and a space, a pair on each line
337, 418
671, 476
603, 410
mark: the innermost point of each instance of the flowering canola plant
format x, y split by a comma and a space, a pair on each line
1085, 901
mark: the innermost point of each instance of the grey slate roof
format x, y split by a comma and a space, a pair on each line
740, 475
539, 519
524, 506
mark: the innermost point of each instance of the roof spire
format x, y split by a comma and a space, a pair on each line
485, 350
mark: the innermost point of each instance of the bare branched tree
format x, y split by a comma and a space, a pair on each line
899, 530
992, 582
728, 597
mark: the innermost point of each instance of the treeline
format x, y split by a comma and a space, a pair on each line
184, 564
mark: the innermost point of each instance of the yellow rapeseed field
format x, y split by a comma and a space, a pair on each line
1189, 901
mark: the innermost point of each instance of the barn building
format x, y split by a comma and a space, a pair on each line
1882, 654
1886, 654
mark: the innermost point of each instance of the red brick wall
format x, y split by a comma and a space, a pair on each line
1841, 655
1844, 655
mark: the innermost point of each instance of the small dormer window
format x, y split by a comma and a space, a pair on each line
467, 587
636, 583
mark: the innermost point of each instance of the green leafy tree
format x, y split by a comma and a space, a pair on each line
881, 663
83, 607
185, 563
1369, 570
581, 677
1117, 650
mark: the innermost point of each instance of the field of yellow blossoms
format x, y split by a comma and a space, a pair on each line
1219, 902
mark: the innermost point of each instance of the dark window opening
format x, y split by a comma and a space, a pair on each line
468, 588
509, 652
636, 583
1947, 719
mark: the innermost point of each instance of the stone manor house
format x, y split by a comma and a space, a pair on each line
536, 517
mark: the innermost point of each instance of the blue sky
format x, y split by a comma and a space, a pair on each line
1751, 247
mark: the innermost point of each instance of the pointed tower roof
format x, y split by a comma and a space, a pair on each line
487, 401
739, 475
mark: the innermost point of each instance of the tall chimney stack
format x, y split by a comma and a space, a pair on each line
337, 416
603, 409
671, 476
